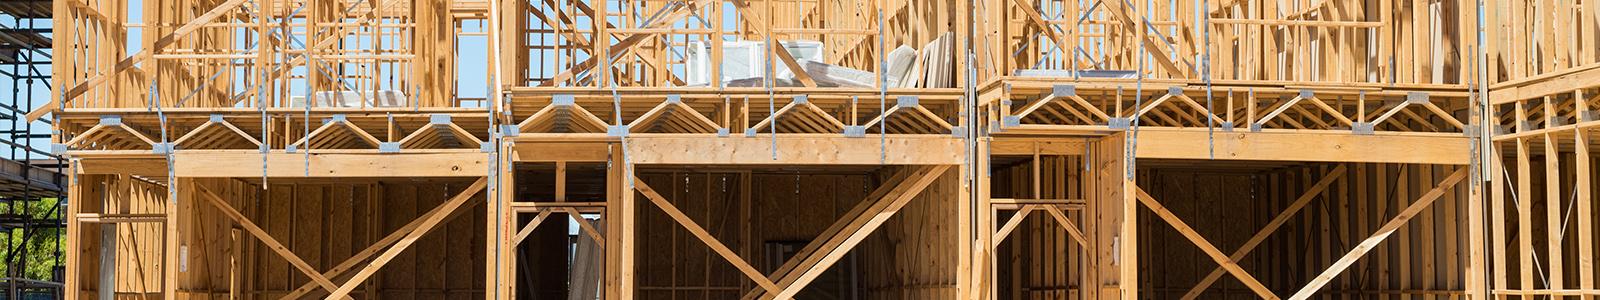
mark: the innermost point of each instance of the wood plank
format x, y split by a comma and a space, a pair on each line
1497, 215
149, 167
1524, 214
1554, 204
1583, 190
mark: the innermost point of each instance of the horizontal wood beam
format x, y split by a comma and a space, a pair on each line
1550, 292
1552, 83
209, 164
1309, 146
764, 150
150, 167
561, 152
1026, 146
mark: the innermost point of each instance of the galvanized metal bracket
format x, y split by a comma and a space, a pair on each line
510, 130
563, 100
1554, 121
389, 147
1063, 90
855, 131
906, 101
617, 131
162, 148
1119, 123
1011, 121
1417, 97
1362, 128
111, 120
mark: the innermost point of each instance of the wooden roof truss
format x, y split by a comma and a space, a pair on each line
1232, 108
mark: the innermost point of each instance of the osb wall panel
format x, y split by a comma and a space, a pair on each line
1424, 257
674, 258
326, 224
911, 256
914, 254
1221, 207
775, 208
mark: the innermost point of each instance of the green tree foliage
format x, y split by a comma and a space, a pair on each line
42, 247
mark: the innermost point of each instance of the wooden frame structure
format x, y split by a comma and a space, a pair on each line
778, 149
1540, 105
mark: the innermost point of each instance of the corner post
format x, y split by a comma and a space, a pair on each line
620, 208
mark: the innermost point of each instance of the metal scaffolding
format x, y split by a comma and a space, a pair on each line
31, 180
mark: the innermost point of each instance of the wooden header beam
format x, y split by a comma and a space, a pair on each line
214, 164
1319, 147
1175, 143
785, 150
